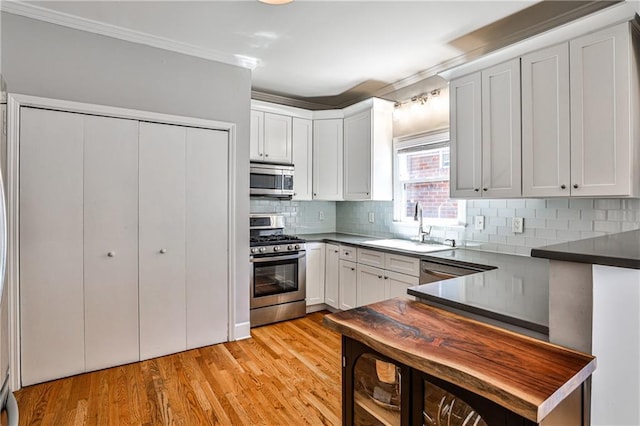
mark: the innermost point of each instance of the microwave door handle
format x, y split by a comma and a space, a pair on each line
274, 258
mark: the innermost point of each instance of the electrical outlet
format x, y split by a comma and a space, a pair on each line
479, 222
517, 225
372, 217
321, 215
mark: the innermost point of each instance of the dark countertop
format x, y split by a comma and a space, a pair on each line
515, 292
621, 250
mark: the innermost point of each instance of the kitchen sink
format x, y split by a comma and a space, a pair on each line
408, 245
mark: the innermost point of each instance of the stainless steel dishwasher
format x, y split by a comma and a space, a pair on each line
434, 271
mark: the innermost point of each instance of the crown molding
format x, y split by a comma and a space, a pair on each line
66, 20
288, 101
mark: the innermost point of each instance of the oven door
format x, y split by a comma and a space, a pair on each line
277, 279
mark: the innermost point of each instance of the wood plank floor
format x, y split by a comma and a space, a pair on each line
287, 374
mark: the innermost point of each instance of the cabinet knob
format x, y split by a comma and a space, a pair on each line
163, 250
485, 189
367, 193
335, 251
314, 194
575, 186
386, 278
111, 254
379, 276
266, 155
563, 186
477, 189
353, 269
260, 154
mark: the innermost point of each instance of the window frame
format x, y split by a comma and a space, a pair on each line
436, 137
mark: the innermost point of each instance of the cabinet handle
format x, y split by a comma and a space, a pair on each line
111, 254
314, 194
335, 251
386, 278
367, 193
575, 186
260, 154
379, 276
266, 155
163, 250
563, 186
353, 269
485, 189
477, 189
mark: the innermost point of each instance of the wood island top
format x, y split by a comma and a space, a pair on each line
527, 376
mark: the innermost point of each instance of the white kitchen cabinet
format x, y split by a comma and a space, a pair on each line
302, 159
485, 107
328, 159
371, 285
348, 284
604, 113
368, 152
51, 245
110, 242
371, 257
403, 264
332, 276
270, 138
162, 240
399, 283
545, 123
315, 264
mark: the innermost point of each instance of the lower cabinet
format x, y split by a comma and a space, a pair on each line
348, 280
377, 390
332, 276
371, 285
315, 265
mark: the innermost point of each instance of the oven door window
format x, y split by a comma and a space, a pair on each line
275, 277
265, 181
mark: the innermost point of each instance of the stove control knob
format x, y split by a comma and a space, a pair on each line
276, 248
253, 250
297, 246
289, 247
262, 249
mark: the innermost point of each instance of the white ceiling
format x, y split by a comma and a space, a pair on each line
308, 48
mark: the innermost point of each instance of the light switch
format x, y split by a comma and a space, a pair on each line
320, 215
479, 222
372, 217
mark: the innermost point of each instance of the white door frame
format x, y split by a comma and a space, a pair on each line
17, 101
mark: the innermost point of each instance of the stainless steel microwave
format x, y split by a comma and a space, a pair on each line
271, 180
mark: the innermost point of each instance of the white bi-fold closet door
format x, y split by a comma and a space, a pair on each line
123, 241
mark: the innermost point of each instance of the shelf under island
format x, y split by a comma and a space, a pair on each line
432, 356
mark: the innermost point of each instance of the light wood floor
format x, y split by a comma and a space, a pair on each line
287, 374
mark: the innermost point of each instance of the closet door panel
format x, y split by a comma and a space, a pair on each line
110, 241
207, 239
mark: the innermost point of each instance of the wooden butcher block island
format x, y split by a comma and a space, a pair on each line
403, 360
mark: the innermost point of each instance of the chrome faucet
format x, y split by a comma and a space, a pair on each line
417, 216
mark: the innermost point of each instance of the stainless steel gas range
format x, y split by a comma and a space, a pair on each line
278, 271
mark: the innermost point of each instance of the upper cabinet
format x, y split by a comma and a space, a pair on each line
270, 137
580, 115
302, 158
485, 133
368, 139
327, 159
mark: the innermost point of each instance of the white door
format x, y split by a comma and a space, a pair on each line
399, 283
207, 238
501, 133
302, 158
315, 254
110, 242
277, 138
327, 159
600, 102
466, 136
348, 284
162, 240
332, 276
545, 122
372, 285
357, 156
256, 136
51, 247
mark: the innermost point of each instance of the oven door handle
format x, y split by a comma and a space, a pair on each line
274, 258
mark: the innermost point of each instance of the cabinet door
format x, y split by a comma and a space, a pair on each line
315, 273
110, 242
51, 248
371, 257
501, 134
348, 284
207, 238
466, 136
256, 136
372, 285
332, 276
277, 138
402, 264
357, 156
327, 159
162, 240
545, 122
302, 158
399, 283
600, 101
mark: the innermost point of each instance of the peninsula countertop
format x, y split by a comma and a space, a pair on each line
621, 250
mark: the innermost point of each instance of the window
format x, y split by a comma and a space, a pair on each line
421, 173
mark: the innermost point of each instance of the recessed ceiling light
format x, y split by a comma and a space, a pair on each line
275, 1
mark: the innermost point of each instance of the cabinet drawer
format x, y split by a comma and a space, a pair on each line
403, 264
399, 283
371, 257
348, 253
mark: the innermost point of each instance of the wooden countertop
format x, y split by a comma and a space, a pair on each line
525, 375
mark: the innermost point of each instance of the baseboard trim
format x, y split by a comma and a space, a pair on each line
242, 331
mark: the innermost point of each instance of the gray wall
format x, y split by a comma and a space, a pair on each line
47, 60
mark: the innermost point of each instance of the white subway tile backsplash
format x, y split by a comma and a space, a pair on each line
516, 204
568, 235
580, 225
535, 223
569, 214
549, 234
630, 226
580, 203
498, 204
506, 212
608, 227
593, 214
557, 224
546, 213
608, 204
535, 204
558, 203
526, 213
497, 221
